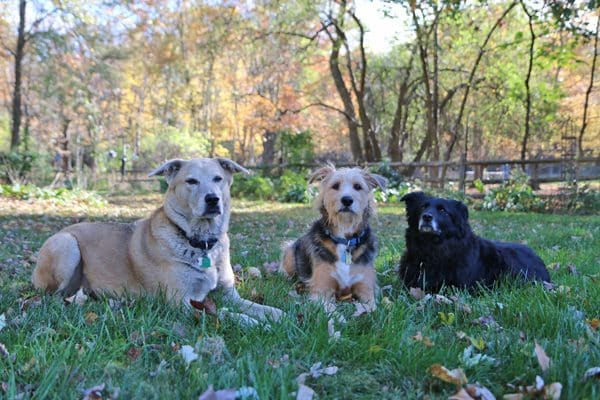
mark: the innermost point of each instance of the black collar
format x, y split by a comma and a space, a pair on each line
199, 244
353, 242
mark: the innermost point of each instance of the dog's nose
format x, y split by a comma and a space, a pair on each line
347, 201
211, 199
427, 217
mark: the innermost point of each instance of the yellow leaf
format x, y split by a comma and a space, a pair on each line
594, 323
456, 376
479, 343
91, 317
447, 319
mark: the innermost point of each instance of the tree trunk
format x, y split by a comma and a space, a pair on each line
527, 85
269, 140
588, 92
19, 53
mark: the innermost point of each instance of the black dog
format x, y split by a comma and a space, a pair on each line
441, 249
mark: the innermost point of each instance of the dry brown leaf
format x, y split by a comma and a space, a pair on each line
3, 351
479, 392
90, 317
593, 323
542, 358
424, 339
456, 376
417, 293
134, 353
254, 272
539, 390
462, 394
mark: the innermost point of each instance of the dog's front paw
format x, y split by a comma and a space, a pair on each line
273, 313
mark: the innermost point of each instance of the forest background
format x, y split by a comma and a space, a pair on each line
87, 85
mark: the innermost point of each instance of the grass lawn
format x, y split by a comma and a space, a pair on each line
57, 350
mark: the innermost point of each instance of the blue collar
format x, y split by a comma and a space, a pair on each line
354, 241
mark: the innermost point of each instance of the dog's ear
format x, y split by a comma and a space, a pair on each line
413, 198
321, 174
375, 180
463, 210
168, 169
231, 166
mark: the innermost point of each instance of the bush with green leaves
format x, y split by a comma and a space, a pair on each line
291, 187
15, 166
254, 186
583, 200
515, 194
58, 195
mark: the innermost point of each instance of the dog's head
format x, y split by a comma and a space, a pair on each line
434, 216
345, 195
199, 188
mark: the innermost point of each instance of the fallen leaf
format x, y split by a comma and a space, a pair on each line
90, 317
486, 321
438, 298
479, 392
456, 376
236, 268
78, 298
594, 323
464, 308
188, 354
542, 358
207, 305
361, 308
4, 351
417, 293
254, 272
94, 393
554, 266
592, 373
178, 328
210, 394
424, 339
213, 346
447, 318
462, 394
470, 358
539, 390
271, 267
304, 392
134, 353
2, 321
549, 286
572, 269
331, 329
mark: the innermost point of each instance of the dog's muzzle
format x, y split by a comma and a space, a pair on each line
213, 208
428, 225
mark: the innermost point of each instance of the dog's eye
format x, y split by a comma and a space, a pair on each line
357, 187
217, 178
442, 209
191, 181
335, 186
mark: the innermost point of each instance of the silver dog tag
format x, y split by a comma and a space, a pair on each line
347, 258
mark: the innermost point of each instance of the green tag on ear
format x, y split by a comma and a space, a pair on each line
204, 262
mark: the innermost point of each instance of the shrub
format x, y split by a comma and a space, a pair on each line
15, 166
583, 199
59, 195
513, 195
253, 187
292, 187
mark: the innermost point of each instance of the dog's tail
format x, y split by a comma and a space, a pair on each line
288, 260
59, 267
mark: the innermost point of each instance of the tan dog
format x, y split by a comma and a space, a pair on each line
182, 248
335, 258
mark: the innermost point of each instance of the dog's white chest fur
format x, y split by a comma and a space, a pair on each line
342, 269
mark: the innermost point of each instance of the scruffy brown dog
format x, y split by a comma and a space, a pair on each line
335, 258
